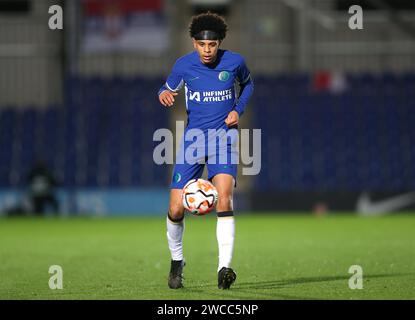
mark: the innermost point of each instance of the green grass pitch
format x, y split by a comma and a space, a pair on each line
275, 257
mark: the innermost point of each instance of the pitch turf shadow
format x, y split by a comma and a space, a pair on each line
283, 283
250, 288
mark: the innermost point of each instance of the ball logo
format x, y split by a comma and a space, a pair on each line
224, 76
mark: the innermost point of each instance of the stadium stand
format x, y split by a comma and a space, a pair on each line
362, 138
101, 136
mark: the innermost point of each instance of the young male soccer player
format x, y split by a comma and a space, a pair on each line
209, 75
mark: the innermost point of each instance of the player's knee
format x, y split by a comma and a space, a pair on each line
176, 212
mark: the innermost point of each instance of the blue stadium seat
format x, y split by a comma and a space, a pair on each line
350, 141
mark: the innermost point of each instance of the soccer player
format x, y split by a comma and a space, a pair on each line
209, 75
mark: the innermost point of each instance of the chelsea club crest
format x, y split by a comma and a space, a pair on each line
224, 76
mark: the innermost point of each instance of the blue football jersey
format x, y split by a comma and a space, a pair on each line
210, 89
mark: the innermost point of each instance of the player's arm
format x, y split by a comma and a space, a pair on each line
173, 84
246, 88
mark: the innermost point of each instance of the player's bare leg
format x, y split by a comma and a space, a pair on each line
225, 228
175, 229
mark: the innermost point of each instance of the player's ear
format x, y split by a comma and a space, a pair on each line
194, 43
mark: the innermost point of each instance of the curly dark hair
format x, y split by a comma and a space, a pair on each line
208, 21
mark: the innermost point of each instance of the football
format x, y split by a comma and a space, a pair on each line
199, 196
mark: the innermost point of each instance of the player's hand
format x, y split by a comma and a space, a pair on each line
167, 98
232, 119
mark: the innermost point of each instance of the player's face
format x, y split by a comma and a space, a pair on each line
207, 49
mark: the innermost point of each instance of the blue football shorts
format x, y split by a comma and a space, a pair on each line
191, 160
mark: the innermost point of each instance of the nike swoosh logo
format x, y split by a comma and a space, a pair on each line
195, 78
367, 207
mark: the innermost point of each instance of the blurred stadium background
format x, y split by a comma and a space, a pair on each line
336, 106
